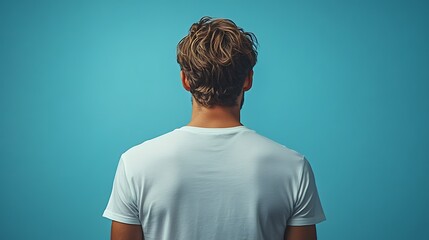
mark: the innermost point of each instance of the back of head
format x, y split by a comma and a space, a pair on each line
216, 56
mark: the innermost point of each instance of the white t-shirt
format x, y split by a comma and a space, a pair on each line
213, 183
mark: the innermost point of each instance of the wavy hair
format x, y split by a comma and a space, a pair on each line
216, 56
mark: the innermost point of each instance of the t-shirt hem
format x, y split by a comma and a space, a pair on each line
307, 221
120, 218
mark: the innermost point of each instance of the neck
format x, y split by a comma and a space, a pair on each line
214, 117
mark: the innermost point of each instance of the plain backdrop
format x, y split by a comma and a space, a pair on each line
343, 82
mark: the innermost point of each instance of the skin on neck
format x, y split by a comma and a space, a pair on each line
217, 116
214, 117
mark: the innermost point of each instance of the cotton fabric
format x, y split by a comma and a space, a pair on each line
214, 183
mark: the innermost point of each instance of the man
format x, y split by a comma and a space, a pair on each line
214, 178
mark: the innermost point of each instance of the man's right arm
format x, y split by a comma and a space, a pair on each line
122, 231
301, 232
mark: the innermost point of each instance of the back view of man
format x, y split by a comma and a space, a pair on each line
214, 178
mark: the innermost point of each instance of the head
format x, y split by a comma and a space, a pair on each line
216, 60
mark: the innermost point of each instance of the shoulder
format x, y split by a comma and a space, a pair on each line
150, 145
149, 151
276, 149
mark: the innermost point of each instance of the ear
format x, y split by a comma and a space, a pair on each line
248, 81
185, 82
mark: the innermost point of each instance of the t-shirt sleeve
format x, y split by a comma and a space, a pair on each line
122, 205
307, 208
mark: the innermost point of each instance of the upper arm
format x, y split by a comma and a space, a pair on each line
301, 232
307, 208
122, 231
123, 203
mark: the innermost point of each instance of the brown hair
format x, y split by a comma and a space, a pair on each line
216, 56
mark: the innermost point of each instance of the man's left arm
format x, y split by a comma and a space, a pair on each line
301, 232
307, 207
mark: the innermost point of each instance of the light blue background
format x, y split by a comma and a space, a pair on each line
344, 82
